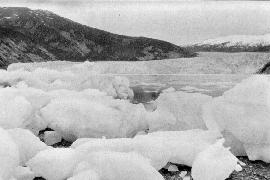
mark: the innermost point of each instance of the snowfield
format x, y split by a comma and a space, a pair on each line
115, 139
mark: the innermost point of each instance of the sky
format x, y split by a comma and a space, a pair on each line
178, 21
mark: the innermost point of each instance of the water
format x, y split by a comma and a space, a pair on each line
148, 87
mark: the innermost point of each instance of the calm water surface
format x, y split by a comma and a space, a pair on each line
147, 87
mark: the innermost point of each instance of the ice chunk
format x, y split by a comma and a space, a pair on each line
160, 120
28, 144
242, 116
173, 168
169, 90
238, 168
258, 152
186, 178
52, 137
75, 118
214, 163
185, 107
121, 86
193, 141
93, 145
15, 109
81, 141
86, 93
86, 175
236, 146
54, 164
83, 171
37, 98
24, 173
81, 167
183, 174
150, 106
117, 87
160, 147
20, 108
59, 164
122, 166
9, 155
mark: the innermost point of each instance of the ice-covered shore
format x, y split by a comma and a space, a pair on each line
115, 139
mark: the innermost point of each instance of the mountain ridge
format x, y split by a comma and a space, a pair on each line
39, 35
234, 43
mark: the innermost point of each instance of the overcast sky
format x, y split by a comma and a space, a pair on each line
180, 22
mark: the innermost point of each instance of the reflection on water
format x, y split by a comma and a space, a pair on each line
148, 87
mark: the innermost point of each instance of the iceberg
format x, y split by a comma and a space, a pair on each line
85, 175
15, 109
121, 166
9, 155
242, 116
28, 144
137, 158
20, 108
214, 163
54, 163
23, 173
186, 108
76, 117
52, 137
180, 147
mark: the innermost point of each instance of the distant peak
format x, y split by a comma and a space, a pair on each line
239, 40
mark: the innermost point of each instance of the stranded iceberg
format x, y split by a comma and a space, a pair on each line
116, 139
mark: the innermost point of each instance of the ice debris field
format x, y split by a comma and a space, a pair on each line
114, 139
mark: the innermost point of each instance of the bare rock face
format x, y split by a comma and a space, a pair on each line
35, 35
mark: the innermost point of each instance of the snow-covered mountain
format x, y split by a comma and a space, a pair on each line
244, 40
235, 43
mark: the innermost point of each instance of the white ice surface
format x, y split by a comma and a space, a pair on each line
28, 144
214, 163
242, 116
159, 147
9, 155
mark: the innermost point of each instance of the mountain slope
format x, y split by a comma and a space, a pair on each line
235, 43
35, 35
